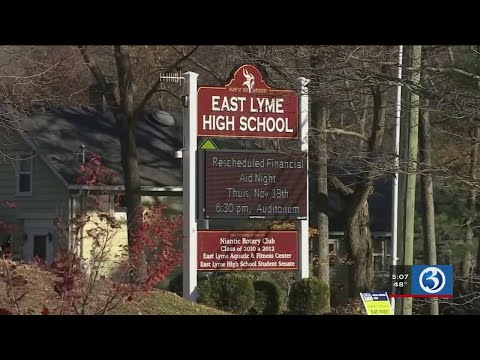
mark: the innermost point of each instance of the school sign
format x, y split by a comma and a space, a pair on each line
247, 107
222, 184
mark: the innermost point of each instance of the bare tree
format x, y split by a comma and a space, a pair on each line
127, 112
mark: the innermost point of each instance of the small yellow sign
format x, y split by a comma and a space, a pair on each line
376, 303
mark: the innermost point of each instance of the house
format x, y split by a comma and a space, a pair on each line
40, 165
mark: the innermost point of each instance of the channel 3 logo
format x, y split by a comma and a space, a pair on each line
432, 280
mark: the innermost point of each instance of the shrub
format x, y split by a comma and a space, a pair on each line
268, 298
176, 284
232, 292
308, 297
205, 293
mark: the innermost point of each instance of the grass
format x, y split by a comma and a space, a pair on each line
36, 292
162, 302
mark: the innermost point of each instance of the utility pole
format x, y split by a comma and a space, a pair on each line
398, 112
402, 176
412, 165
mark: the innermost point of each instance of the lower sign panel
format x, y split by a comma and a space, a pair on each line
247, 250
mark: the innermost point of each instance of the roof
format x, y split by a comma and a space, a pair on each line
58, 135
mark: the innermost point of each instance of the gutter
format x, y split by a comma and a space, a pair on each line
122, 188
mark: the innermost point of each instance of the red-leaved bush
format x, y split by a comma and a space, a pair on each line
7, 228
9, 204
80, 283
4, 227
159, 240
94, 172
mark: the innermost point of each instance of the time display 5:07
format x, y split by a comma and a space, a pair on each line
400, 276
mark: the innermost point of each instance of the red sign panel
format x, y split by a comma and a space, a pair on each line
247, 250
258, 184
247, 107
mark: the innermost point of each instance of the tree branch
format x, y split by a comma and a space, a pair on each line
450, 55
352, 106
453, 70
431, 69
203, 67
339, 186
254, 56
387, 63
98, 75
379, 106
125, 81
347, 133
155, 86
93, 66
170, 93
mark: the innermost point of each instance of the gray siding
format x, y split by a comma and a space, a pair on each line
9, 148
49, 197
7, 191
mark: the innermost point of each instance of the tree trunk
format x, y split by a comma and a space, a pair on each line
428, 217
357, 227
319, 122
324, 256
360, 254
127, 124
357, 220
467, 265
477, 137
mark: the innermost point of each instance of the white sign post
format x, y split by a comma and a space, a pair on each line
189, 188
303, 228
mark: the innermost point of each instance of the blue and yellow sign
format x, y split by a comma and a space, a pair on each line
376, 303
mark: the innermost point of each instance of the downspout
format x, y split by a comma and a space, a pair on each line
82, 194
74, 198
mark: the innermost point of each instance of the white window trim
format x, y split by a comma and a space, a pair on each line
335, 243
17, 174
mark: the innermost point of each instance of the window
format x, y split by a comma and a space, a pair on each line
333, 251
377, 262
120, 203
24, 174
